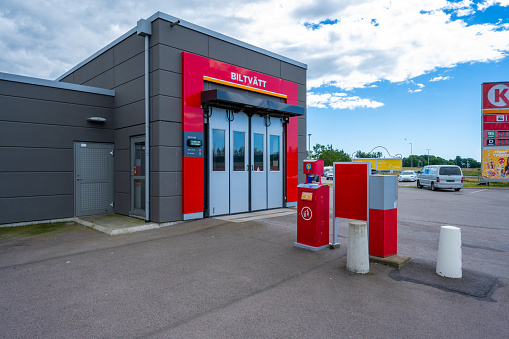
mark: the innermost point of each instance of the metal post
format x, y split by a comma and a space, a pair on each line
309, 145
147, 135
428, 154
411, 160
334, 243
144, 28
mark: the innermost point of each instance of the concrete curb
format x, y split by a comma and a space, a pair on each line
127, 230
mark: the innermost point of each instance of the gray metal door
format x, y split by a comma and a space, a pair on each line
219, 163
245, 154
275, 161
239, 166
93, 167
258, 163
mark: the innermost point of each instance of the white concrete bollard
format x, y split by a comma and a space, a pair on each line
449, 252
357, 255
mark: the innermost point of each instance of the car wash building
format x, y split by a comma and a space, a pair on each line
169, 122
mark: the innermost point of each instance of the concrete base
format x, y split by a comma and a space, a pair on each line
397, 261
311, 248
115, 224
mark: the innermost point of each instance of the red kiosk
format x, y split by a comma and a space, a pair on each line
312, 209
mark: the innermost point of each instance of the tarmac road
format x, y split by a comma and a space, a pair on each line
214, 279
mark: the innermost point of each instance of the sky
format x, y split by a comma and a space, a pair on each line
402, 74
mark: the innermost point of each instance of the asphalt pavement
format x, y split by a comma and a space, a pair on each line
214, 279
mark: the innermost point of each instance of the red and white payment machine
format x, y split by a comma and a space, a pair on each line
312, 210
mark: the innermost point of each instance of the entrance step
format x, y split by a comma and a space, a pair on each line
257, 215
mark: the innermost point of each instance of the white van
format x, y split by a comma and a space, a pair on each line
441, 176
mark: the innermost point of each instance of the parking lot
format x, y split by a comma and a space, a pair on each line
213, 279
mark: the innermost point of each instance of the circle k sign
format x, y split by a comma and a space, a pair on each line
496, 95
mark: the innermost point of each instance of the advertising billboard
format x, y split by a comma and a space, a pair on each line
495, 132
383, 164
495, 164
389, 164
372, 161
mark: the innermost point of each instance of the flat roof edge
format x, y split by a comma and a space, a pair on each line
183, 23
494, 82
55, 84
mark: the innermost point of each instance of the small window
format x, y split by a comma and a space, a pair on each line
218, 155
139, 159
258, 152
274, 152
450, 171
239, 151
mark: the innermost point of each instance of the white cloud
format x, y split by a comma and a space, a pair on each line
414, 90
371, 40
440, 78
488, 3
339, 101
376, 40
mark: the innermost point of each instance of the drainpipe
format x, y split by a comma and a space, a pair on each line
144, 29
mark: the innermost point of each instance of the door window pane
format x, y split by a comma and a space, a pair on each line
274, 152
139, 159
139, 194
239, 151
218, 155
258, 152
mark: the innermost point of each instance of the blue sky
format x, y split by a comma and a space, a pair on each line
444, 116
379, 72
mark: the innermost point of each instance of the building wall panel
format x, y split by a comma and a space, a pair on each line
166, 108
26, 184
103, 80
179, 37
36, 208
35, 159
293, 73
37, 111
128, 48
130, 69
242, 57
39, 125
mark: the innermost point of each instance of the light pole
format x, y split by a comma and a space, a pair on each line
427, 149
411, 162
309, 145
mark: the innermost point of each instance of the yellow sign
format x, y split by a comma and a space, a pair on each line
389, 164
371, 160
383, 164
495, 163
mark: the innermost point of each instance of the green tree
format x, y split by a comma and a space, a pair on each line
472, 163
360, 154
329, 155
434, 160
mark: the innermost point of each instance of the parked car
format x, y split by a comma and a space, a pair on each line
326, 169
329, 175
441, 176
407, 176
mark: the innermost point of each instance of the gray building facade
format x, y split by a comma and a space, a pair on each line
50, 128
